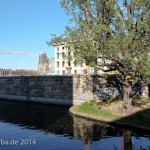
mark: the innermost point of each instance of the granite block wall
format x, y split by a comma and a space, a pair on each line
46, 89
62, 90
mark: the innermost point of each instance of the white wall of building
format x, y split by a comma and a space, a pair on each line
65, 67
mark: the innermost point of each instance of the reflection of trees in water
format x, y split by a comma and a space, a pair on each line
92, 131
53, 119
104, 131
89, 131
127, 139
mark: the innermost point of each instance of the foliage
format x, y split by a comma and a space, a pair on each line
103, 29
110, 35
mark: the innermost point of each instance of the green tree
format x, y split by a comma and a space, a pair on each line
117, 34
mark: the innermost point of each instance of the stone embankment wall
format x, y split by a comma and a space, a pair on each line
62, 90
45, 89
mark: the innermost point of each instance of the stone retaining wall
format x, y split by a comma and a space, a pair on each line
45, 89
62, 90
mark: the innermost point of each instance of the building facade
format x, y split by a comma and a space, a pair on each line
5, 72
65, 64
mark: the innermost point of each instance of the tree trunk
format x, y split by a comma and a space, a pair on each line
127, 100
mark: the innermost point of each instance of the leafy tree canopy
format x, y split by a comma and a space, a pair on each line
109, 30
118, 32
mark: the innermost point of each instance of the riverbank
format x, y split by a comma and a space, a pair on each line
139, 119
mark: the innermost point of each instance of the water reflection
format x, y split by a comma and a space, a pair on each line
55, 129
102, 136
53, 119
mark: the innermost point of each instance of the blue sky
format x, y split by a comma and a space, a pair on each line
25, 27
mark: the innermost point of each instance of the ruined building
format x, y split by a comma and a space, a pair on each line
44, 64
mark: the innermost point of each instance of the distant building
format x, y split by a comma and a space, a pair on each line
44, 64
65, 64
22, 72
5, 72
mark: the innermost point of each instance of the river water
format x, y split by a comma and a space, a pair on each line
27, 126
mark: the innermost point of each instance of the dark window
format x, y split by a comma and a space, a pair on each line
57, 64
63, 64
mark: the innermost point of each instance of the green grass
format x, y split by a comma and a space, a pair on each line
95, 109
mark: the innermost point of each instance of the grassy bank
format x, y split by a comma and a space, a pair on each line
97, 110
140, 116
